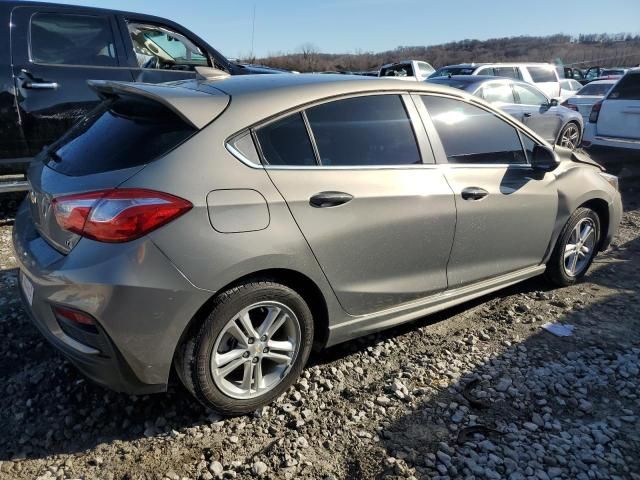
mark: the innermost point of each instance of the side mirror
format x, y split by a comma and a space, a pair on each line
544, 159
554, 102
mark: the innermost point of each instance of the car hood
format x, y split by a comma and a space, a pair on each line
259, 69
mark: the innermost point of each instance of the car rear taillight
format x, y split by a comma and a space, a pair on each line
569, 105
117, 215
74, 316
595, 112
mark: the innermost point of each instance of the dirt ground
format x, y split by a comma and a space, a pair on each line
478, 391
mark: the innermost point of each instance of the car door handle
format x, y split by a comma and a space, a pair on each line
527, 115
329, 199
40, 85
474, 193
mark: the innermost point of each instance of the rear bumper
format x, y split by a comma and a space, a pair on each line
140, 301
592, 139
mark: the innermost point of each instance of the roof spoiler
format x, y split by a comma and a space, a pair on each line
196, 108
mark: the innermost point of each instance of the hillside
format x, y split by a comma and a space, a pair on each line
584, 50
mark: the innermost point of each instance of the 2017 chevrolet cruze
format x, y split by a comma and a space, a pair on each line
225, 227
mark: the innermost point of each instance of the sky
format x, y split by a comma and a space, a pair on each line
348, 26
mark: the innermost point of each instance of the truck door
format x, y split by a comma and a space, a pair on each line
55, 51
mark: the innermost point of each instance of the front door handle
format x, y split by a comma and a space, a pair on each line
329, 199
40, 85
474, 193
527, 115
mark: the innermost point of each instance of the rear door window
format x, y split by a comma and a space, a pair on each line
372, 130
529, 95
120, 133
542, 74
498, 93
70, 39
628, 88
472, 135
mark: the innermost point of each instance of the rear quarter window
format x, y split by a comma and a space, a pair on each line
119, 133
628, 88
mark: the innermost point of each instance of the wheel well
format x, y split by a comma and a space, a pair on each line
575, 122
602, 210
297, 281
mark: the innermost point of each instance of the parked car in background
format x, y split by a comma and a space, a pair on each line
615, 120
50, 51
413, 70
568, 88
570, 72
553, 122
542, 75
587, 96
223, 228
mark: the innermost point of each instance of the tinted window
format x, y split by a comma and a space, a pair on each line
373, 130
472, 135
286, 142
498, 93
72, 40
628, 88
595, 89
119, 133
529, 95
542, 74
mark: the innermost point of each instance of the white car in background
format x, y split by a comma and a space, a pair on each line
568, 88
587, 96
542, 75
615, 120
412, 70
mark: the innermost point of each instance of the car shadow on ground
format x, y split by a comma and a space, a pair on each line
556, 405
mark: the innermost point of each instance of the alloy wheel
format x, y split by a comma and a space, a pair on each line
255, 350
570, 136
580, 247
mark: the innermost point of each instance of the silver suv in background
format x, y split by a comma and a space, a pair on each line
223, 228
542, 75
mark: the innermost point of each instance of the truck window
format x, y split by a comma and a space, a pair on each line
69, 39
156, 46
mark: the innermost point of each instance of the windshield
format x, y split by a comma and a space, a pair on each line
595, 89
612, 71
446, 71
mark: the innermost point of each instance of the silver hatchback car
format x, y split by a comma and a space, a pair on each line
224, 228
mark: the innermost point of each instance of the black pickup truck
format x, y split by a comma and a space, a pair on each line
49, 51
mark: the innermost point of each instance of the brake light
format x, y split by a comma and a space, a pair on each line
570, 106
117, 215
595, 112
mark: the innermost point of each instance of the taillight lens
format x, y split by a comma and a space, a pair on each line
569, 105
117, 215
595, 112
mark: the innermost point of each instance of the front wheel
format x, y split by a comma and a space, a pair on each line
570, 136
575, 249
249, 350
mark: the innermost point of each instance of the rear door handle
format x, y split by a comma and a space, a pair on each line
41, 85
474, 193
329, 199
527, 115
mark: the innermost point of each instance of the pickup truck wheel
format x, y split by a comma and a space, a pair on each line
249, 350
575, 249
570, 136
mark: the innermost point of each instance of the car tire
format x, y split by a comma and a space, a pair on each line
566, 267
570, 136
260, 356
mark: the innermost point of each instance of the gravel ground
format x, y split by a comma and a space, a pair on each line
479, 391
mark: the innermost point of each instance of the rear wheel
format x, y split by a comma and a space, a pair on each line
249, 350
575, 249
570, 136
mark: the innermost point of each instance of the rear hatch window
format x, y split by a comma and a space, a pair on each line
628, 88
120, 133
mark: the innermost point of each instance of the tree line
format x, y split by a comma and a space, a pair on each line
584, 50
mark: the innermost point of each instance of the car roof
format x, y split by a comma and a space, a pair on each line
477, 79
505, 64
